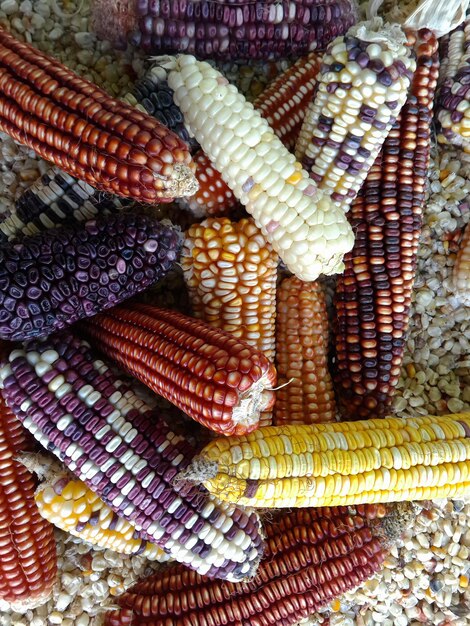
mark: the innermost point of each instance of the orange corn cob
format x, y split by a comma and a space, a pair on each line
28, 562
373, 295
312, 556
219, 381
302, 355
461, 273
77, 126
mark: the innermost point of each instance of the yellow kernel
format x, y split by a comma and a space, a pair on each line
336, 605
463, 581
294, 178
410, 368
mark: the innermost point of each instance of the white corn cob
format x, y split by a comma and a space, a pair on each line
304, 226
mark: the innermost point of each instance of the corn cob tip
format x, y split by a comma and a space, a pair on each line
375, 30
199, 471
45, 467
182, 182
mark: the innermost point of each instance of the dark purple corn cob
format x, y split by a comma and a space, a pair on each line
54, 199
127, 454
54, 278
224, 29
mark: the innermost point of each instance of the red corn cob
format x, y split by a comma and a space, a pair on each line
77, 126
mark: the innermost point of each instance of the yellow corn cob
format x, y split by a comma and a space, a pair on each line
306, 391
344, 463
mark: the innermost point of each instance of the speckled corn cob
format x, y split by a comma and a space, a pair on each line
312, 556
54, 199
453, 102
362, 86
218, 380
54, 278
369, 461
306, 229
224, 29
28, 562
77, 126
127, 454
305, 394
461, 273
373, 296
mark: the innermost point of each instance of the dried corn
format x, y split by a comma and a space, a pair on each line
461, 273
54, 278
127, 455
362, 87
307, 230
305, 393
218, 380
28, 562
344, 463
77, 126
373, 296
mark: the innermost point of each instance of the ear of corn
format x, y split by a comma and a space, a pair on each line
28, 562
55, 199
109, 438
218, 380
345, 463
312, 556
56, 277
306, 229
461, 272
373, 296
77, 126
305, 391
362, 86
224, 30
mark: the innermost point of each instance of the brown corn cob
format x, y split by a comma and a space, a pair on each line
374, 293
302, 355
461, 273
28, 562
77, 126
219, 381
312, 556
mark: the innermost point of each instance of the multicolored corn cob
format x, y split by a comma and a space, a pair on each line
28, 562
54, 278
54, 199
453, 102
373, 296
306, 229
218, 380
362, 87
305, 391
369, 461
312, 556
77, 126
283, 104
127, 454
223, 29
461, 273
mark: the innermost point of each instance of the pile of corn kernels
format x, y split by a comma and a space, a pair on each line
426, 577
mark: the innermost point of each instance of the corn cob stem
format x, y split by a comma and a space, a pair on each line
305, 393
312, 556
219, 381
461, 272
345, 463
77, 126
110, 438
28, 562
308, 232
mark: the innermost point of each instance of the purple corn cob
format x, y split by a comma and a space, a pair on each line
127, 454
54, 278
224, 29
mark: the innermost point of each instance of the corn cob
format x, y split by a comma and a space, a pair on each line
110, 438
54, 278
461, 273
312, 556
74, 508
54, 199
362, 86
369, 461
373, 296
305, 393
77, 126
305, 228
216, 379
224, 29
283, 104
28, 563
